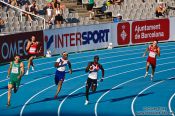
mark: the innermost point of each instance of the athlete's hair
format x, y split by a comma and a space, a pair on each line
156, 40
64, 53
96, 57
16, 56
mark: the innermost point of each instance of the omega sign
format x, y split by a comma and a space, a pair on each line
10, 45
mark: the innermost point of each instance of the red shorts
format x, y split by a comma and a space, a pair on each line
152, 61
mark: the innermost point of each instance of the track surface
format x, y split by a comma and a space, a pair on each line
123, 92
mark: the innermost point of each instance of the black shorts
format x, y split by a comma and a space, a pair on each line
58, 18
90, 82
30, 55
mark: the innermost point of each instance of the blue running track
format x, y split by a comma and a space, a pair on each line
124, 91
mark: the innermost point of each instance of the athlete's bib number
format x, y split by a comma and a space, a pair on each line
15, 70
152, 54
32, 50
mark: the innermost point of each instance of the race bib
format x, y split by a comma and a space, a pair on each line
32, 50
152, 54
14, 70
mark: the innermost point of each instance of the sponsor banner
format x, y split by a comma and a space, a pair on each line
76, 39
172, 29
10, 45
89, 37
95, 36
59, 40
149, 30
123, 33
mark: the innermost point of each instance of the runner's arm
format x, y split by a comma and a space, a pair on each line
158, 53
70, 67
147, 49
9, 70
87, 68
21, 69
28, 45
103, 72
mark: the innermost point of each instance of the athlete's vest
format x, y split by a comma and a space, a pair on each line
62, 64
33, 48
15, 71
153, 51
94, 68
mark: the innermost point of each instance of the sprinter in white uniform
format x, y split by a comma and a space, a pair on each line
93, 68
61, 64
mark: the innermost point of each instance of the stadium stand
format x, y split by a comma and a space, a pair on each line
65, 13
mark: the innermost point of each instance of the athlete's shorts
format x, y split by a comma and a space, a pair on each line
59, 76
90, 82
30, 55
152, 61
14, 81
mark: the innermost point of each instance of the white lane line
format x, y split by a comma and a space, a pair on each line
95, 109
93, 55
59, 108
28, 83
100, 58
96, 105
82, 57
33, 97
99, 99
132, 104
112, 76
105, 49
130, 50
3, 80
106, 69
169, 104
88, 54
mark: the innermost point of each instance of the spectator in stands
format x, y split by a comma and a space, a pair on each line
12, 2
117, 19
2, 24
109, 2
33, 7
49, 10
90, 6
119, 2
26, 8
160, 10
58, 15
55, 3
79, 2
21, 2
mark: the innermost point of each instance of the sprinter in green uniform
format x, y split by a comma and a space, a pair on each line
15, 72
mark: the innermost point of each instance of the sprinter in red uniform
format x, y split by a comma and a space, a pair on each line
32, 49
153, 51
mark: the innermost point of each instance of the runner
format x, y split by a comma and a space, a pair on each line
93, 68
32, 49
61, 64
15, 73
153, 51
